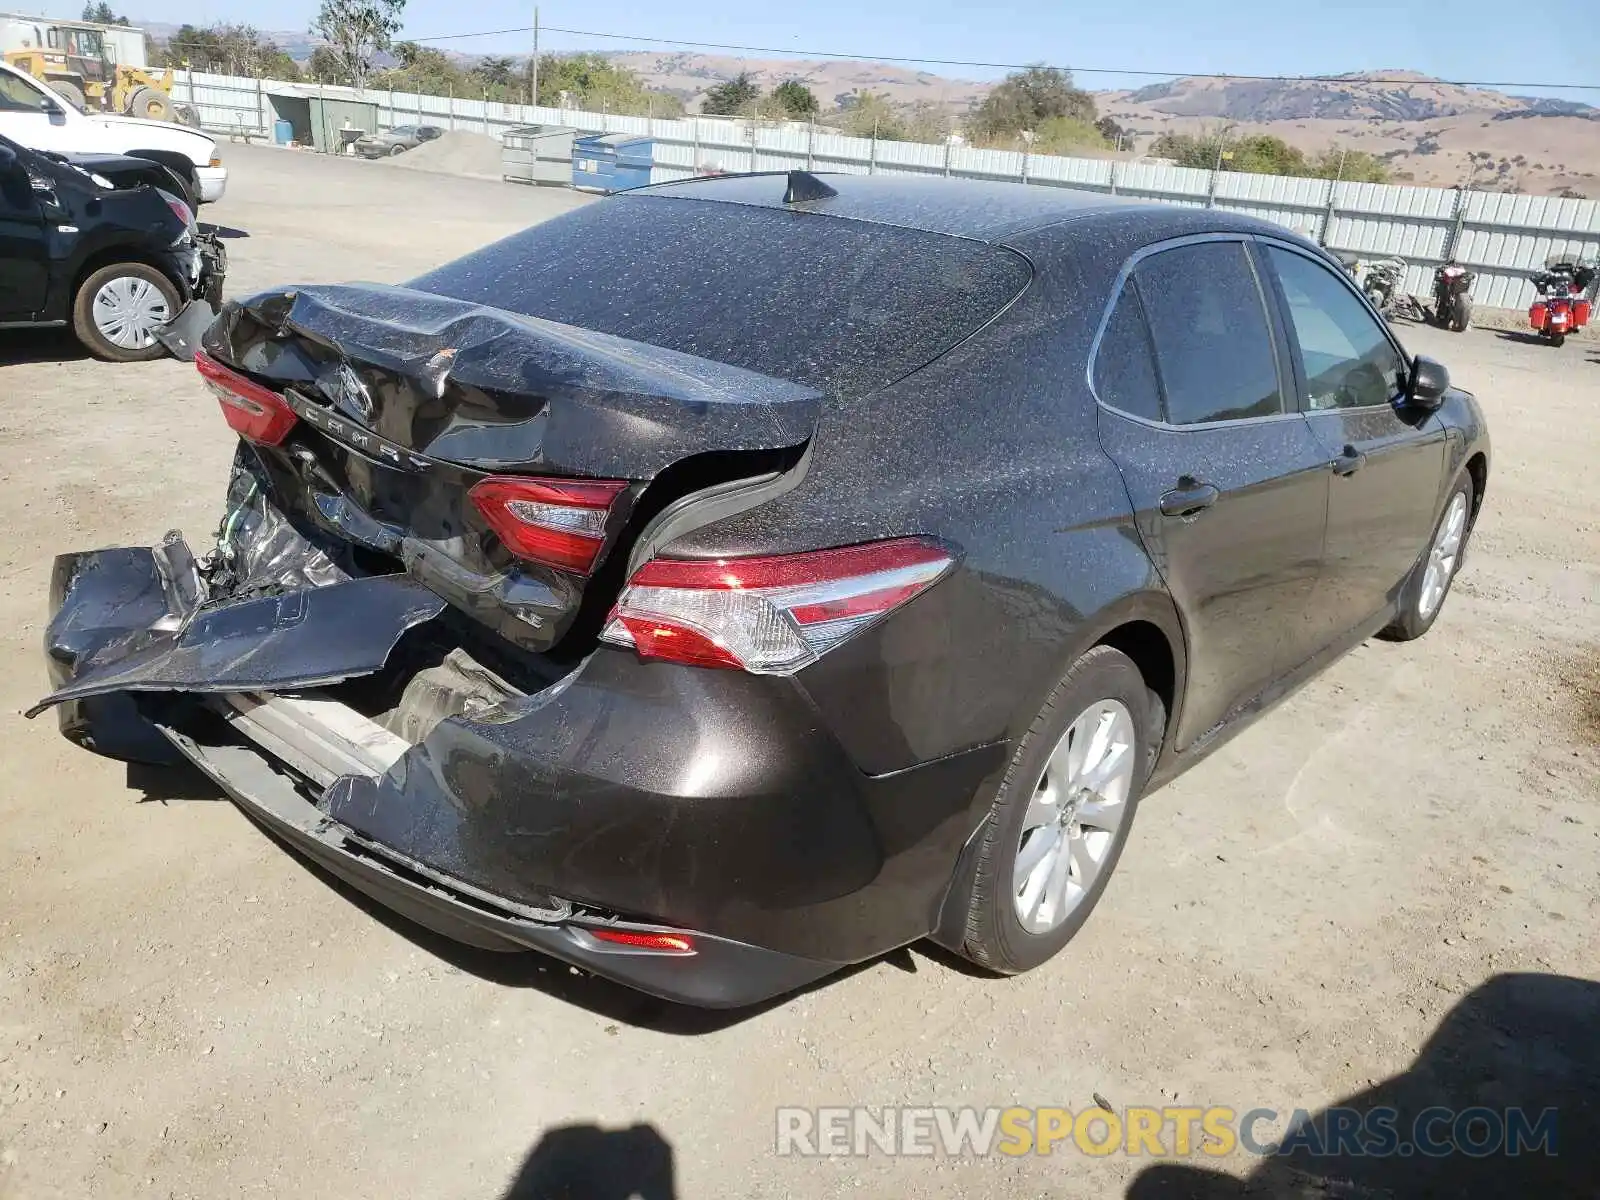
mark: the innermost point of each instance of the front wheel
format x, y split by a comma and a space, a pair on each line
1422, 597
118, 310
397, 151
1061, 817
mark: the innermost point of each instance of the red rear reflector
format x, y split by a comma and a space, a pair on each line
770, 615
666, 943
252, 411
557, 522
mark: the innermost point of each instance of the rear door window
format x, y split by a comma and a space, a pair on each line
1214, 346
845, 306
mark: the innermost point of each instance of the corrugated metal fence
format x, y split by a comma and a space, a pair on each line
1502, 237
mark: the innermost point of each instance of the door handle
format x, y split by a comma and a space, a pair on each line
1350, 461
1188, 498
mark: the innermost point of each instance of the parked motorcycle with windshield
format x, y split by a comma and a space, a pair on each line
1562, 305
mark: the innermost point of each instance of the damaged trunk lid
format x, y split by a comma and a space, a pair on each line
498, 459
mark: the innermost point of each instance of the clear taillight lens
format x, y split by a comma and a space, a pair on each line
252, 411
557, 522
770, 615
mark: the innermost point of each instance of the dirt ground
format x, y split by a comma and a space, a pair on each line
187, 1010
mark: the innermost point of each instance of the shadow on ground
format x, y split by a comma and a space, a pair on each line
52, 345
1517, 1042
585, 1162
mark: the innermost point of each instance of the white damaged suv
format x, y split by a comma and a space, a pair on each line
34, 116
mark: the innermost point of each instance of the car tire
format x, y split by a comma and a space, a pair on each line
68, 91
1103, 694
143, 283
1426, 588
397, 151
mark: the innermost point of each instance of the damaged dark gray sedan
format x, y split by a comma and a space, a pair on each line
734, 580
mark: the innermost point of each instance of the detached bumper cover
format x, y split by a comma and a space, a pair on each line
712, 802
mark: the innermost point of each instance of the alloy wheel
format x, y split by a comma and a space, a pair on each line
1443, 556
1078, 812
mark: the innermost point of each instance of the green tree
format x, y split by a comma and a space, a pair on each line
325, 66
495, 71
1062, 135
1026, 100
237, 49
1111, 131
1355, 165
595, 83
872, 114
795, 99
100, 13
736, 96
423, 69
358, 29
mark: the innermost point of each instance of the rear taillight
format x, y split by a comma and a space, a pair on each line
253, 411
651, 943
557, 522
773, 615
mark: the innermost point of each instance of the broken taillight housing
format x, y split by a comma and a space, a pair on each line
252, 411
557, 522
770, 615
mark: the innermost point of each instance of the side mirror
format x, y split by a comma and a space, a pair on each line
51, 108
1428, 383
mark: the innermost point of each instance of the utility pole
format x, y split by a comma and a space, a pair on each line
535, 69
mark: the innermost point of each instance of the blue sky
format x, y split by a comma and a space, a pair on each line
1466, 39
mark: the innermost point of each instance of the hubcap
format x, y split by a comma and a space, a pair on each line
1078, 811
1443, 556
128, 310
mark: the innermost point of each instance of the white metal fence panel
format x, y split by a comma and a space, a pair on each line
1502, 237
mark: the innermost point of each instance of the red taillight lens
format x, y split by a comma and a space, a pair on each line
558, 522
771, 615
253, 411
662, 943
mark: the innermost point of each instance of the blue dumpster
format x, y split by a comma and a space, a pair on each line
611, 162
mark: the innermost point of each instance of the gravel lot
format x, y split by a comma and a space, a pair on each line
188, 1010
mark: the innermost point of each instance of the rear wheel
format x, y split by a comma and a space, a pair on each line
68, 91
1463, 314
119, 308
1062, 814
1422, 597
1558, 339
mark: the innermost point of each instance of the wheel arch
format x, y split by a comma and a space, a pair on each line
122, 252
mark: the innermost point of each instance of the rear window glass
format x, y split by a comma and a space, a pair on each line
1124, 371
844, 306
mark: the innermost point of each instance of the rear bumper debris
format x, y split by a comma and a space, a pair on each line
627, 796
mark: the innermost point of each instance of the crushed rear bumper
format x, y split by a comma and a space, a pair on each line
629, 795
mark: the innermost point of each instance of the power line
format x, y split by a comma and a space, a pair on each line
1001, 66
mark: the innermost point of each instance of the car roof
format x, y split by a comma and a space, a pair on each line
984, 210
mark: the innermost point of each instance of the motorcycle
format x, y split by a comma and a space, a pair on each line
1563, 304
1381, 282
1452, 299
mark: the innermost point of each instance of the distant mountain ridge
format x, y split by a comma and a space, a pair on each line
1427, 130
